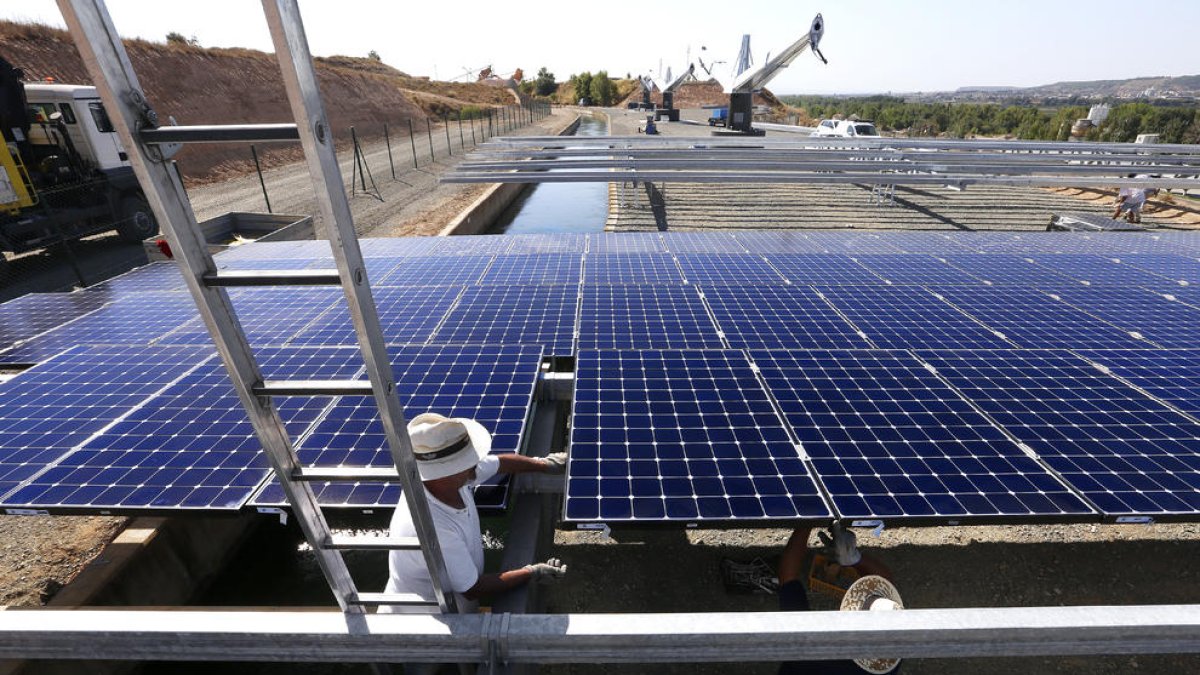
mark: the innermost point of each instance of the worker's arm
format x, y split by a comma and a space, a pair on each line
791, 562
514, 463
491, 584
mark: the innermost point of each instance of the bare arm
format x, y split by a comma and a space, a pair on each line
791, 562
512, 462
491, 584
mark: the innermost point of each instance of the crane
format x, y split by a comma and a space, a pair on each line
669, 110
741, 96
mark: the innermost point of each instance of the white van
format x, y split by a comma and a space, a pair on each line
846, 129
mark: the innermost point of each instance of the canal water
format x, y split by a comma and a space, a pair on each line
560, 207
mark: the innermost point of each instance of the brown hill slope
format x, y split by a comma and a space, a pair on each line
196, 85
699, 93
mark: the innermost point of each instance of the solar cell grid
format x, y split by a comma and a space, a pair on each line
853, 242
1170, 375
680, 436
541, 315
764, 242
1033, 319
621, 268
605, 243
29, 315
999, 268
915, 269
545, 268
739, 269
155, 277
1101, 270
701, 242
1127, 453
269, 316
888, 439
266, 250
933, 243
907, 317
442, 270
469, 245
645, 317
1042, 243
1174, 267
1163, 322
772, 317
390, 247
527, 244
191, 446
407, 315
824, 269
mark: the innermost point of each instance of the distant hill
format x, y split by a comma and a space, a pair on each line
1138, 87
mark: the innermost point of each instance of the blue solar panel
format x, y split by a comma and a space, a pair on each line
1163, 322
1127, 453
264, 250
824, 269
888, 439
473, 245
774, 317
492, 385
156, 277
1004, 269
915, 269
407, 315
605, 243
523, 244
29, 315
191, 446
546, 268
1041, 242
136, 319
643, 268
1173, 267
776, 242
391, 247
1101, 270
1033, 319
1170, 375
713, 268
933, 243
269, 316
906, 317
681, 436
645, 317
497, 315
55, 406
436, 271
851, 242
701, 242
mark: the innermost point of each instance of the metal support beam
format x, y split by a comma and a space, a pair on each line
221, 133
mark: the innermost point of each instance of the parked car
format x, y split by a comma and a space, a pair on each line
846, 129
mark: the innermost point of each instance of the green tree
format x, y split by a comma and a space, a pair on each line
602, 89
582, 83
545, 84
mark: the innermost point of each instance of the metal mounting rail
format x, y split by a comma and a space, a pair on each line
137, 124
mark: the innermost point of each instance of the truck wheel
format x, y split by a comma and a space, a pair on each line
137, 220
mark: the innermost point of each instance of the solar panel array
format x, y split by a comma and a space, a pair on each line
721, 378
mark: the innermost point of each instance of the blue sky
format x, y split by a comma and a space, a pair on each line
872, 45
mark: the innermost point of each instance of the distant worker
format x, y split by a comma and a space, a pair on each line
452, 458
872, 591
651, 128
1131, 201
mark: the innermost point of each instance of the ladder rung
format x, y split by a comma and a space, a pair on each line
314, 388
273, 278
220, 133
346, 474
351, 543
397, 599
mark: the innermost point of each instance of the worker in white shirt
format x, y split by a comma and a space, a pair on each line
453, 457
1130, 201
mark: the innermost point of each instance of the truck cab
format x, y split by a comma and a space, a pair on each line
846, 129
86, 121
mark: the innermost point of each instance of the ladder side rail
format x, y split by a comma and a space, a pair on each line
108, 63
300, 82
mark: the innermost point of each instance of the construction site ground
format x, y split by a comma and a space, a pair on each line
676, 570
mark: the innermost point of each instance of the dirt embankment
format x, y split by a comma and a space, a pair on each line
699, 93
196, 85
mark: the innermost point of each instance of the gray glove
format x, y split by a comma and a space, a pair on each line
550, 570
556, 463
843, 545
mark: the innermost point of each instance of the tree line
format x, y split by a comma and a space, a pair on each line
1173, 123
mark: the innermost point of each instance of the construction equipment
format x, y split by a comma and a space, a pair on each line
668, 109
647, 86
64, 174
741, 96
135, 121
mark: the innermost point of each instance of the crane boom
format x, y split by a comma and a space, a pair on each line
757, 79
688, 74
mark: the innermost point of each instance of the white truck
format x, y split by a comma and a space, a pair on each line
846, 129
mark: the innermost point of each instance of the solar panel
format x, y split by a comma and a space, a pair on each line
497, 315
701, 242
391, 247
57, 405
1163, 322
1042, 242
29, 315
621, 268
915, 269
904, 317
546, 268
492, 385
273, 263
1130, 455
645, 317
1173, 267
134, 320
269, 316
1170, 375
191, 446
1033, 319
604, 243
824, 269
407, 315
934, 243
1101, 270
851, 242
524, 244
155, 277
769, 241
680, 436
436, 271
888, 439
999, 268
470, 245
773, 317
264, 250
714, 268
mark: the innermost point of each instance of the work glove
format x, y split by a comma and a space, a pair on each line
547, 571
843, 545
556, 463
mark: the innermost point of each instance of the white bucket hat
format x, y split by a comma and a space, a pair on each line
444, 446
873, 593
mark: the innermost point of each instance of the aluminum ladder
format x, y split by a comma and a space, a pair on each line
149, 150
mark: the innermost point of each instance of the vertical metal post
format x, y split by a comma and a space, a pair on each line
461, 139
362, 175
429, 135
261, 182
446, 128
388, 140
472, 123
412, 141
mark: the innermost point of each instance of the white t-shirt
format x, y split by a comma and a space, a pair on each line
459, 536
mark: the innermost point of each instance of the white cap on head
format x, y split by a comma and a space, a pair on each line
444, 446
873, 593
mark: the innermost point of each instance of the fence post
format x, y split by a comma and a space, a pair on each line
254, 154
446, 128
388, 140
357, 163
412, 141
472, 121
461, 142
429, 135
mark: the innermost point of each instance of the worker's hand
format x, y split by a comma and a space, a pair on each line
548, 571
556, 463
843, 545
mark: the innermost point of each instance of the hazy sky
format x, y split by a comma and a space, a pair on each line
872, 45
